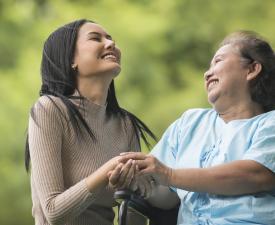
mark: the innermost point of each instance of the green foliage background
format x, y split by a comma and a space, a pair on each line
166, 47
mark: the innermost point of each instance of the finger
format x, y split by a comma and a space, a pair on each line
129, 177
132, 155
109, 173
126, 153
146, 172
143, 164
123, 173
137, 167
114, 177
153, 183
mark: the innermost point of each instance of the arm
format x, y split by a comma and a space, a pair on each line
252, 173
235, 178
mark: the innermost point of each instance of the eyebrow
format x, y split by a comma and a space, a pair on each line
100, 34
219, 55
216, 56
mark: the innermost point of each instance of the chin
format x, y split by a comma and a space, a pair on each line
111, 70
116, 71
212, 99
213, 95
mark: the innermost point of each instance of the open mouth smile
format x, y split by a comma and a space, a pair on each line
212, 83
111, 56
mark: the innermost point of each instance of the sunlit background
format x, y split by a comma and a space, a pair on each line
166, 47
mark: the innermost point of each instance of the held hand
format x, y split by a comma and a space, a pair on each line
110, 165
122, 176
99, 178
126, 176
149, 166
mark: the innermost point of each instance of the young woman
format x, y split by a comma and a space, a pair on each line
77, 129
221, 161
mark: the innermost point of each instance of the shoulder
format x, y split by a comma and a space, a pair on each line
198, 114
267, 120
189, 119
268, 116
48, 105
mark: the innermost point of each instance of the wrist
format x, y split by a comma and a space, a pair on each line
97, 180
168, 175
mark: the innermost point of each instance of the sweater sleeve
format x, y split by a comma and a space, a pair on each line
46, 132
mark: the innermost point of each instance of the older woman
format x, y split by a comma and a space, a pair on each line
221, 161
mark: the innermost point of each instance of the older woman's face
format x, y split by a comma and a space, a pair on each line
96, 53
225, 80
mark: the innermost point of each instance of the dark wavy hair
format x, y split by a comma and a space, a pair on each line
59, 80
254, 48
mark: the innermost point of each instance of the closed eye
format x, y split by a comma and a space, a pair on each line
96, 36
109, 37
95, 39
217, 60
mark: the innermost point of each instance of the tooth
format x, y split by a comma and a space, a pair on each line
212, 83
109, 56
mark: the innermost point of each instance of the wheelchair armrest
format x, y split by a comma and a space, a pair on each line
134, 201
129, 199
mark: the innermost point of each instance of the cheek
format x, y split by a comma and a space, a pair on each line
87, 64
85, 53
87, 59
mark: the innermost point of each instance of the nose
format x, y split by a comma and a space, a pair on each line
208, 74
110, 44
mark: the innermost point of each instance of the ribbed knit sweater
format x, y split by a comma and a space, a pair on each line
60, 162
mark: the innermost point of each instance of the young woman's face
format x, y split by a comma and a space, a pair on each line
95, 52
226, 79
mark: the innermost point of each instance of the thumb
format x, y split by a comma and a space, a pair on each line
109, 173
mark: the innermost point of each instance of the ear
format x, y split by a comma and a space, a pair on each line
74, 66
253, 70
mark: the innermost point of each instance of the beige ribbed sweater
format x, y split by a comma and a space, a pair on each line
60, 163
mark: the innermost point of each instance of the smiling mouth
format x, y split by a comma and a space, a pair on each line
111, 57
212, 84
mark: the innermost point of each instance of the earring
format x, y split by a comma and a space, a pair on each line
74, 66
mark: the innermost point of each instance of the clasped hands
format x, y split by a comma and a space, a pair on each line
138, 172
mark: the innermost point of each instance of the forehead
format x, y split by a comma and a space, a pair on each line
228, 49
88, 27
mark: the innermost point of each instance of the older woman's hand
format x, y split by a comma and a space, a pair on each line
149, 166
127, 176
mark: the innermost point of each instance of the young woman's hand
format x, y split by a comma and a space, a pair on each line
99, 178
149, 166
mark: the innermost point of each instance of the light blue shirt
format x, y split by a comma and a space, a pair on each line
199, 139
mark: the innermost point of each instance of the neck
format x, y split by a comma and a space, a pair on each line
94, 89
236, 112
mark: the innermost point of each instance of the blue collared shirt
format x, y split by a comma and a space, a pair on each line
200, 139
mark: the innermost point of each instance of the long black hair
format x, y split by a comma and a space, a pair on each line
59, 80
